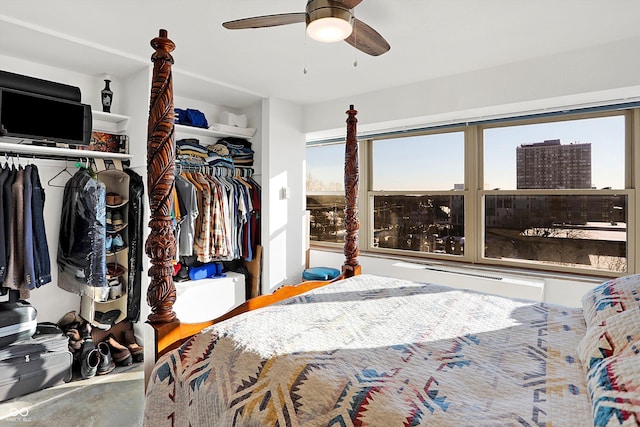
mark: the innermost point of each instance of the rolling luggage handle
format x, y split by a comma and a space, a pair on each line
18, 321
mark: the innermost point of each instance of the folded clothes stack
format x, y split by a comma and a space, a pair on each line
190, 149
238, 149
190, 117
220, 161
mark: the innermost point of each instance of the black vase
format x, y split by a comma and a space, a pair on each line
107, 97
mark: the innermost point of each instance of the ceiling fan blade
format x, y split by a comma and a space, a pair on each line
367, 40
349, 3
265, 21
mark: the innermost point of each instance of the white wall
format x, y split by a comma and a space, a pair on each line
603, 74
283, 154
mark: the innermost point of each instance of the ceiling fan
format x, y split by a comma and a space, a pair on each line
327, 21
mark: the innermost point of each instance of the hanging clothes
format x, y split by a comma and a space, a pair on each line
81, 246
187, 198
15, 269
29, 263
24, 252
5, 219
135, 230
42, 262
221, 214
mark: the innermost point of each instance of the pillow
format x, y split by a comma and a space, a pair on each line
612, 297
610, 337
614, 387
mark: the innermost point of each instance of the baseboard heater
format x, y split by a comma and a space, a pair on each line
510, 286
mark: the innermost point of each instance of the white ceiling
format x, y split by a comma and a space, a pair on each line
429, 39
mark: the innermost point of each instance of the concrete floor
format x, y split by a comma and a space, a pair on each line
115, 399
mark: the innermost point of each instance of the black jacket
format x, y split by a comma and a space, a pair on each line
136, 244
81, 244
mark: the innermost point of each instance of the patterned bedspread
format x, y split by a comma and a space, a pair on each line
375, 351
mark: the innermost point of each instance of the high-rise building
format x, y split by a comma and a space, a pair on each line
549, 164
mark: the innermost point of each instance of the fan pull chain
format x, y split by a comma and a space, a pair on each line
355, 42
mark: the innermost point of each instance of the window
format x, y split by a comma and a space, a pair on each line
554, 202
553, 193
325, 192
415, 207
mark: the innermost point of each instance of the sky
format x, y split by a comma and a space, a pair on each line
436, 162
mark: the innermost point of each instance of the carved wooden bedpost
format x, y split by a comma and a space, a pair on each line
351, 267
161, 154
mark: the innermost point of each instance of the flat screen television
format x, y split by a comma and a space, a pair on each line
44, 118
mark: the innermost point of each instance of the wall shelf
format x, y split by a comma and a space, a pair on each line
109, 122
40, 150
187, 131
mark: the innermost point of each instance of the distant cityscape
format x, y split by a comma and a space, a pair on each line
551, 165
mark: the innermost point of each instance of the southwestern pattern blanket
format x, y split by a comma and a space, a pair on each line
375, 351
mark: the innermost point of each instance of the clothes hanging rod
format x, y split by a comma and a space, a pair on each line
27, 157
44, 152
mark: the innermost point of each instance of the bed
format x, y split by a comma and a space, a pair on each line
379, 351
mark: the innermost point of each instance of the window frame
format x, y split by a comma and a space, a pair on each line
474, 194
628, 191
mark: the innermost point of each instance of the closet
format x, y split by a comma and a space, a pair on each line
223, 233
56, 166
83, 64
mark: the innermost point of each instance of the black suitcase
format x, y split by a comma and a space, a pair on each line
36, 363
18, 322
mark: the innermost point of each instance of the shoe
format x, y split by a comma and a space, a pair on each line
108, 318
115, 291
106, 364
73, 335
108, 243
108, 218
129, 339
75, 346
89, 356
89, 363
68, 319
121, 354
116, 218
118, 243
85, 331
114, 270
113, 199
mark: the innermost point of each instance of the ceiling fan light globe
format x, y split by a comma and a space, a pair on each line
329, 29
